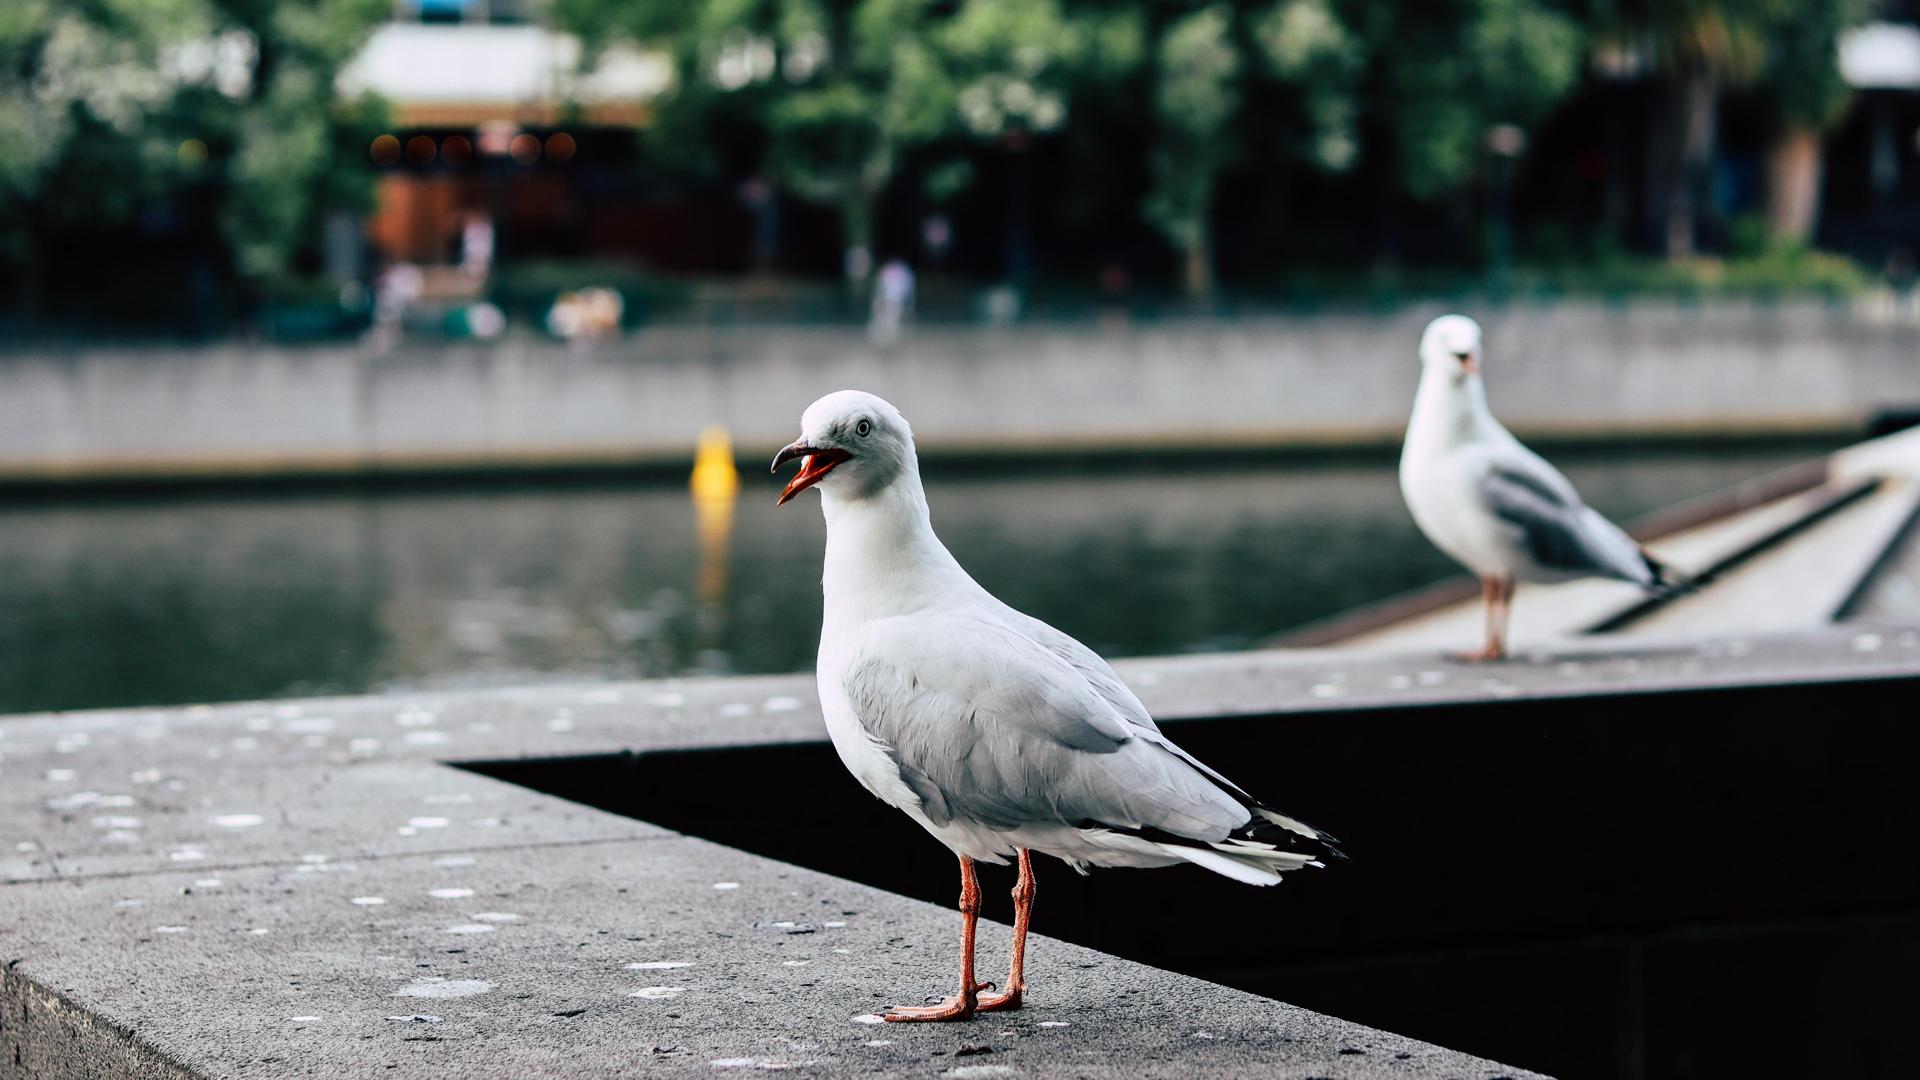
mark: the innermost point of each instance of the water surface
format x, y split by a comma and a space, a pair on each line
208, 597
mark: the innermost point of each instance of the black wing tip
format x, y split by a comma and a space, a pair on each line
1669, 582
1322, 844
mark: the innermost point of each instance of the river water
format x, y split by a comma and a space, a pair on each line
200, 597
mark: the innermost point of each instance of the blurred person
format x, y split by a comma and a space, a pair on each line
476, 244
586, 315
892, 301
396, 290
1116, 287
757, 194
1900, 275
936, 235
856, 264
485, 321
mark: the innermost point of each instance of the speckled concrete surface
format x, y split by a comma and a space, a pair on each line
258, 890
618, 958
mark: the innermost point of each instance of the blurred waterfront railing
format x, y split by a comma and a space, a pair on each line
1568, 370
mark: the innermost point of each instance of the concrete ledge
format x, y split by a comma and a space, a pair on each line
178, 889
551, 992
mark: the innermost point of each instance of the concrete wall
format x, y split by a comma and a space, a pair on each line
1567, 370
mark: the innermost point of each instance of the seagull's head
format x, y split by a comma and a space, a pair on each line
1451, 344
852, 440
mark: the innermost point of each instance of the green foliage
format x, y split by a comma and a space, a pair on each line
110, 107
1449, 75
1803, 83
825, 97
1195, 96
1773, 273
829, 98
1785, 271
1726, 38
1306, 45
1788, 49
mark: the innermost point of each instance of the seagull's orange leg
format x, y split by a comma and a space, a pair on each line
1023, 890
1495, 594
1506, 614
962, 1005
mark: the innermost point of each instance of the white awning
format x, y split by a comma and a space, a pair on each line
1881, 56
422, 64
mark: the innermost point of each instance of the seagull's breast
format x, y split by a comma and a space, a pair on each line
868, 761
1443, 494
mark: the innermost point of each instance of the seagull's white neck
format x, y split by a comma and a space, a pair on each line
882, 556
1449, 410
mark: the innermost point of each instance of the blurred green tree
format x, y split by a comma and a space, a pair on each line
1196, 95
1788, 49
828, 98
1806, 97
1428, 81
109, 108
1020, 70
1445, 75
1696, 48
1205, 61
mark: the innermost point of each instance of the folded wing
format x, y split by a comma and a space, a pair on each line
1560, 531
990, 726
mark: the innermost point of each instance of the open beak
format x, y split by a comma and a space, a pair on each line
1469, 364
819, 462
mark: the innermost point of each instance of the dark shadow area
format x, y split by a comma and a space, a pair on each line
1705, 884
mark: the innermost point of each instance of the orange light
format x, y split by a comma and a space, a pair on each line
560, 148
456, 150
420, 150
385, 150
525, 148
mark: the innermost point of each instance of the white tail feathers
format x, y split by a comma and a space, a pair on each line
1299, 828
1243, 860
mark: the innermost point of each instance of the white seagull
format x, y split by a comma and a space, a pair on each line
1491, 503
1000, 735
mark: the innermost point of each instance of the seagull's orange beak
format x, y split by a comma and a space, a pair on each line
820, 461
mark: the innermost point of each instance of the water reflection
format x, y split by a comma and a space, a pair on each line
207, 598
715, 487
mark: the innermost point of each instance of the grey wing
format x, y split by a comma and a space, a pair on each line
1559, 530
1104, 681
986, 725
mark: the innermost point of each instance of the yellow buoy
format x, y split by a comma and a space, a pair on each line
714, 475
715, 484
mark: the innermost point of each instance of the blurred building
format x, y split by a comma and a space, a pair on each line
502, 147
1872, 198
498, 143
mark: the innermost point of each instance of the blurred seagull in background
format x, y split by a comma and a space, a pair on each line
1000, 735
1491, 503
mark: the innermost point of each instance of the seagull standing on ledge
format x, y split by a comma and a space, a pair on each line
1493, 504
1000, 735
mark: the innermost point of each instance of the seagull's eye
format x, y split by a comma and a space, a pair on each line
863, 429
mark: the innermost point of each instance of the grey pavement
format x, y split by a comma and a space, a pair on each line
261, 889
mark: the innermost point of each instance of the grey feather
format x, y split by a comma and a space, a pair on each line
1102, 679
986, 727
1559, 530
